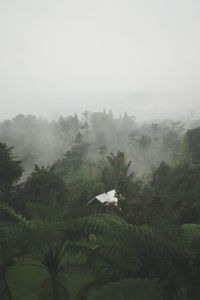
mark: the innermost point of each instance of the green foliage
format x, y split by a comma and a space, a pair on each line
45, 212
141, 252
7, 214
51, 289
45, 186
13, 244
172, 143
10, 168
177, 189
132, 289
117, 172
192, 140
53, 243
73, 159
145, 144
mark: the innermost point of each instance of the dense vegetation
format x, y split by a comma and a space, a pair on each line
38, 141
54, 246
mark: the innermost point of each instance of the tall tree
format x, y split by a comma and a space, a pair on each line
10, 168
192, 141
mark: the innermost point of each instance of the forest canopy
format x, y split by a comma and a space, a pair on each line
54, 245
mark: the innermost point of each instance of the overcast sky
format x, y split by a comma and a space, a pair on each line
50, 49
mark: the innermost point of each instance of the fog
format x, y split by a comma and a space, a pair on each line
59, 57
144, 106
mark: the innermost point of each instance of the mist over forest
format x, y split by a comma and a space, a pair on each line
99, 150
103, 121
63, 234
40, 141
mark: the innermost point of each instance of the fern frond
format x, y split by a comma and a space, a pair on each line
98, 224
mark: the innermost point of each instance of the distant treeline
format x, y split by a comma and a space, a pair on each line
39, 141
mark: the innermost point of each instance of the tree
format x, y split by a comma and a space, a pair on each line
116, 172
10, 168
192, 141
144, 142
172, 144
74, 158
176, 190
45, 186
102, 150
117, 175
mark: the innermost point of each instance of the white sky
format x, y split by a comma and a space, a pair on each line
57, 47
